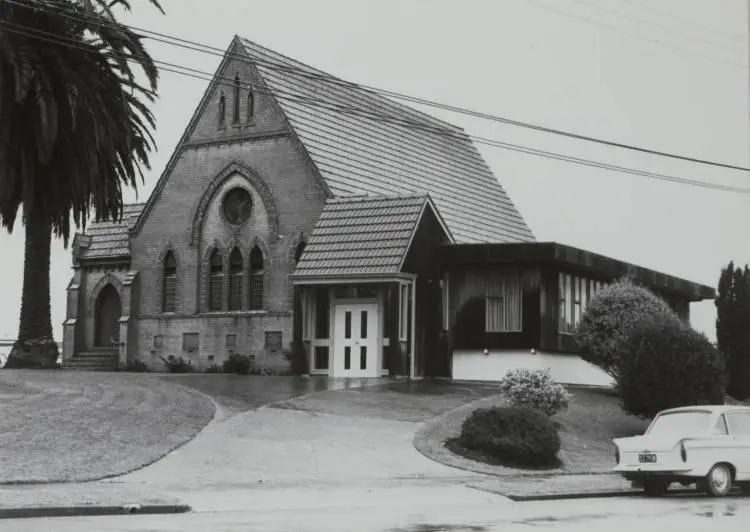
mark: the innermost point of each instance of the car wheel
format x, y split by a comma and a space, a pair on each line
745, 488
655, 487
718, 482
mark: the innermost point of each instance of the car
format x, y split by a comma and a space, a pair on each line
708, 446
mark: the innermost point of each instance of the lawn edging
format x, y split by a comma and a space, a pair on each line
91, 511
84, 403
429, 441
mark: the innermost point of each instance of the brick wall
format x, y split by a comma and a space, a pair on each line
260, 155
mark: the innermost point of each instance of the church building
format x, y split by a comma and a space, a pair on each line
301, 211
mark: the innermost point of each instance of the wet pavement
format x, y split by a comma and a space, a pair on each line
417, 401
426, 511
240, 393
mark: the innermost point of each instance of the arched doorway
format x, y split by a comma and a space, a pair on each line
107, 317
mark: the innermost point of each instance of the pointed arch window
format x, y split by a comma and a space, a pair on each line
222, 110
169, 284
250, 106
257, 267
235, 280
236, 102
216, 281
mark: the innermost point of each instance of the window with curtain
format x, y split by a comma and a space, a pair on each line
235, 280
216, 281
576, 292
504, 303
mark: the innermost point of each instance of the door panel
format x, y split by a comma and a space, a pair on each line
355, 340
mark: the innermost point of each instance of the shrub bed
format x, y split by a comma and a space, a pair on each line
236, 363
512, 436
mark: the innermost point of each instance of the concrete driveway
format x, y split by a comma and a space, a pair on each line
339, 439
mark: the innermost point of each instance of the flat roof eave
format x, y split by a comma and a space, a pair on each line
561, 255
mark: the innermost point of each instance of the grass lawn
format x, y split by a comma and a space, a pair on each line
587, 428
62, 426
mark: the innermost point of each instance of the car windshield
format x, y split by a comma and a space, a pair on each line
681, 422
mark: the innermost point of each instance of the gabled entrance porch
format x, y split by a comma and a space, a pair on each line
358, 328
368, 294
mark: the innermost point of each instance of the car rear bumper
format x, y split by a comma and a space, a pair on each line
638, 474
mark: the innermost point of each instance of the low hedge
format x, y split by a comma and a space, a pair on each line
517, 436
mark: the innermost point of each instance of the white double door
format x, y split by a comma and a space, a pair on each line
355, 340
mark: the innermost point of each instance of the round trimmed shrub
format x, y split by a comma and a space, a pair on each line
610, 316
534, 389
513, 435
667, 366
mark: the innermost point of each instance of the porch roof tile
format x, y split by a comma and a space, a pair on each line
361, 236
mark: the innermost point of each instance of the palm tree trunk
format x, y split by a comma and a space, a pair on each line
35, 346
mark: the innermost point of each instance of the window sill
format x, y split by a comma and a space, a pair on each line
219, 313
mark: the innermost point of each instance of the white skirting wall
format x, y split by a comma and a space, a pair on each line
474, 365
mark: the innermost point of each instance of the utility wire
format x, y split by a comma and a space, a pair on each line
379, 117
595, 22
195, 46
648, 7
628, 16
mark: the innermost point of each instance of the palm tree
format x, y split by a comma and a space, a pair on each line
74, 129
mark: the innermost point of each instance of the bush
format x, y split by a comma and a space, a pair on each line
236, 363
534, 389
667, 366
177, 364
611, 315
516, 436
136, 366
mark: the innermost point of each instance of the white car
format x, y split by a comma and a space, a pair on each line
704, 445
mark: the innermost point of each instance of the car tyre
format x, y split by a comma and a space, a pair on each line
745, 488
655, 487
718, 481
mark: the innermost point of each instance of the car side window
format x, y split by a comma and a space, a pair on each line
740, 423
721, 425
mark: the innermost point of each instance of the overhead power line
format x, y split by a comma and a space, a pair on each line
211, 50
379, 117
661, 42
674, 16
628, 16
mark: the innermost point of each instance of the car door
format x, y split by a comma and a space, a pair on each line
739, 429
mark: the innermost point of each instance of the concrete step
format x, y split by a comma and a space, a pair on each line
99, 359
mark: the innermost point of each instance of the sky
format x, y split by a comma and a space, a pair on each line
668, 75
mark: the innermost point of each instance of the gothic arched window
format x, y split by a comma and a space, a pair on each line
236, 102
216, 281
235, 280
222, 110
257, 268
169, 284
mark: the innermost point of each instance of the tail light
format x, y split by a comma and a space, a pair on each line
617, 455
683, 452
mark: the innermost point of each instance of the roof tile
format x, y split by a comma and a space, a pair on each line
111, 239
396, 152
361, 236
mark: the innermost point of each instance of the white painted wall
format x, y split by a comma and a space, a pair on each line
474, 365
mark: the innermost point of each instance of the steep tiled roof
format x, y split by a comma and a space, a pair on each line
364, 235
109, 239
400, 151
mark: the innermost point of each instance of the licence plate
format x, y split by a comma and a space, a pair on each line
647, 458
